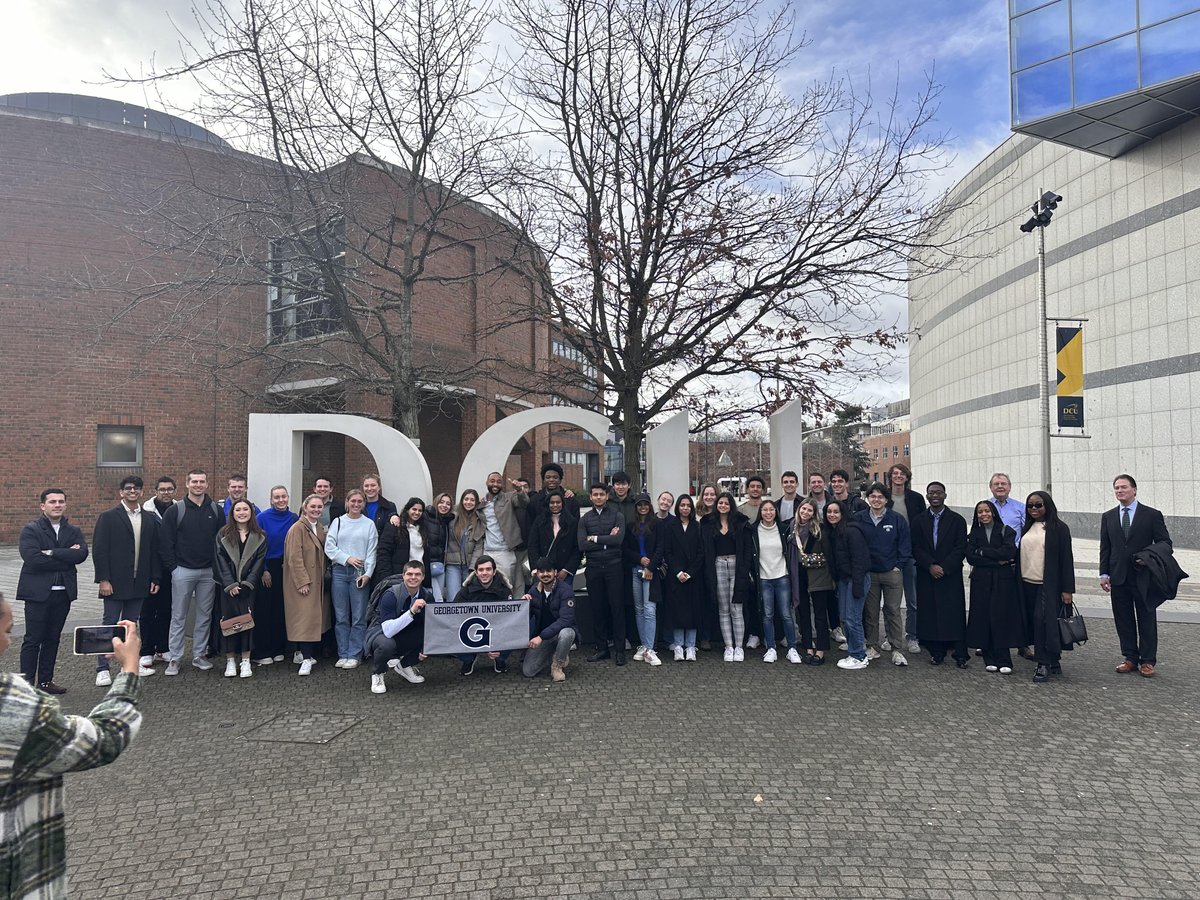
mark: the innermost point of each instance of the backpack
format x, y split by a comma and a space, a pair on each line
377, 594
213, 504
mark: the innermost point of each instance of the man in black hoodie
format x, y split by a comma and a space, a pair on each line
486, 585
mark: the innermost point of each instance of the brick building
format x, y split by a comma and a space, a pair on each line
129, 348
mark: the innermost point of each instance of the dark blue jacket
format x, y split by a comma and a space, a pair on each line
40, 572
889, 542
547, 618
392, 605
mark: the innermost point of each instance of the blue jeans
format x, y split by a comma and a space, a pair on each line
777, 594
686, 638
349, 612
438, 583
909, 571
454, 579
851, 610
644, 609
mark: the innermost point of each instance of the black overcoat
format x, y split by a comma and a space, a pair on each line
941, 602
994, 622
112, 553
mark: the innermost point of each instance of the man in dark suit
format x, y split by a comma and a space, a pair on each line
51, 548
1129, 528
128, 568
939, 547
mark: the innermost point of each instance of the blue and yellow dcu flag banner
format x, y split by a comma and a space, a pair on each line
476, 627
1069, 344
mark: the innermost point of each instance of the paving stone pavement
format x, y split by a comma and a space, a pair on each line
686, 781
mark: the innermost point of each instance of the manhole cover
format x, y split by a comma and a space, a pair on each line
303, 728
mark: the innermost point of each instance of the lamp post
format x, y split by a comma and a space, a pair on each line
1043, 211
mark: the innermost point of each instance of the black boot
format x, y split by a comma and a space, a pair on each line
1042, 673
600, 654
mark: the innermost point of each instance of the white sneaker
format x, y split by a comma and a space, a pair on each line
340, 664
837, 635
103, 678
849, 662
793, 656
244, 670
146, 661
297, 658
161, 657
770, 656
409, 674
752, 642
872, 653
394, 663
201, 663
640, 654
278, 658
264, 661
691, 654
1006, 670
172, 667
377, 685
844, 645
230, 667
145, 671
728, 654
306, 666
351, 664
991, 668
914, 646
678, 651
739, 655
898, 658
885, 646
652, 658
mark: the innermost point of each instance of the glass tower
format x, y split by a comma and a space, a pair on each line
1103, 75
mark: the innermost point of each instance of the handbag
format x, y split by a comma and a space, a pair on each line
1071, 627
812, 560
237, 624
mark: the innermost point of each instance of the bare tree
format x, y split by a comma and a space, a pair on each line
715, 242
370, 122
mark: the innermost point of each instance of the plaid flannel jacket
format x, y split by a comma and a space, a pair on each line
38, 744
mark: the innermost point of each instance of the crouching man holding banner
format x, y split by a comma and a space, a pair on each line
551, 623
483, 618
396, 628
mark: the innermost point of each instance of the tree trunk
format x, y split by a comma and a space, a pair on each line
632, 432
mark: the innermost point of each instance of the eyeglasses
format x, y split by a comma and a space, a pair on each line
132, 487
1035, 505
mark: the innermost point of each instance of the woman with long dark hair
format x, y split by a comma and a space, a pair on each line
240, 554
643, 551
994, 623
465, 543
409, 540
813, 589
850, 566
1047, 568
439, 516
727, 571
684, 557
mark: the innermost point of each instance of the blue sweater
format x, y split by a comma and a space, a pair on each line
276, 524
890, 542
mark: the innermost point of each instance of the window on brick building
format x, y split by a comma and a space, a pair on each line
298, 302
119, 446
906, 451
876, 453
885, 452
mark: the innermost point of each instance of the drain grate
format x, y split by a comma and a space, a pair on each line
303, 728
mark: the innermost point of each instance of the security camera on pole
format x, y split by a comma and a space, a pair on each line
1043, 211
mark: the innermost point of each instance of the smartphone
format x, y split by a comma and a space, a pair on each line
92, 640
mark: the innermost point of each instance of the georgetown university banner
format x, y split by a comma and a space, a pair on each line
476, 627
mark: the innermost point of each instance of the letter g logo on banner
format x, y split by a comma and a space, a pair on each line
475, 633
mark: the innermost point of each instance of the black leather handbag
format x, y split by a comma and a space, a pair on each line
1071, 627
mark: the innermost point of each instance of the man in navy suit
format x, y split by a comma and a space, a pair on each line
1129, 528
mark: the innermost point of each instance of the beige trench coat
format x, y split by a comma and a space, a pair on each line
307, 616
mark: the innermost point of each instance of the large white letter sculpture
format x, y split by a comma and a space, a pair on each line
787, 446
276, 455
490, 451
667, 466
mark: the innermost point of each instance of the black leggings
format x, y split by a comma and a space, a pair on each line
813, 610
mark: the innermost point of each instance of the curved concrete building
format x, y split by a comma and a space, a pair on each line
1123, 252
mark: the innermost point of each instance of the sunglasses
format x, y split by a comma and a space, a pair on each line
1035, 505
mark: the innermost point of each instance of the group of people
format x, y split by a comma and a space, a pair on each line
797, 574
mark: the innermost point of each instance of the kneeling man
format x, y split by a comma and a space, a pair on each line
551, 623
396, 630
